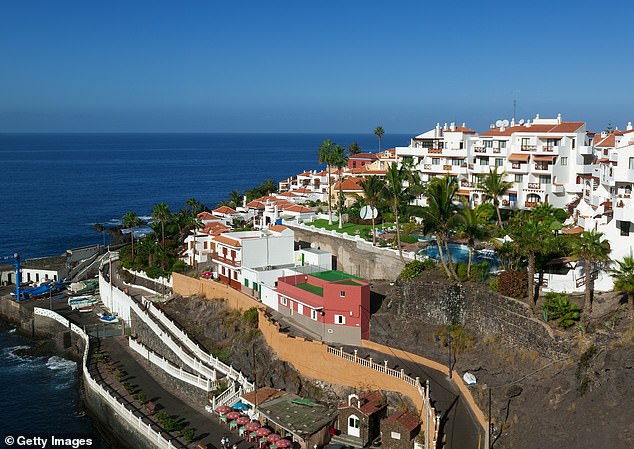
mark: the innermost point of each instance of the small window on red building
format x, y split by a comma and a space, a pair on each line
235, 275
342, 294
233, 254
223, 271
224, 251
340, 319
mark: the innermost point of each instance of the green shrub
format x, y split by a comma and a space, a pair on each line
409, 239
558, 307
224, 355
251, 317
413, 269
494, 284
480, 271
141, 397
513, 283
189, 435
179, 266
461, 340
381, 243
461, 271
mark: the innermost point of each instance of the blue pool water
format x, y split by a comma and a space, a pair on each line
460, 254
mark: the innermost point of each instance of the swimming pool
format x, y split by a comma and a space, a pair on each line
460, 254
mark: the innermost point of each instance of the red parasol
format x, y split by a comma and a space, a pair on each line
233, 415
273, 437
222, 409
253, 425
262, 432
242, 420
283, 443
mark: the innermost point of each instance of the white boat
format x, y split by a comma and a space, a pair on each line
108, 319
83, 303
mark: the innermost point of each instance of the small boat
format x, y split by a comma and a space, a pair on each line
86, 309
85, 302
108, 319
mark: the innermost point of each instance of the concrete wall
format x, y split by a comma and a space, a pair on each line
353, 257
186, 286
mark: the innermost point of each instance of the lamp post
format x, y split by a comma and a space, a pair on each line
449, 353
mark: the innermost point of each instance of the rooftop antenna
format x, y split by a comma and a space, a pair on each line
514, 108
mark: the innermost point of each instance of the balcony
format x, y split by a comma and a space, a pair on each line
216, 257
530, 204
434, 150
447, 167
497, 150
585, 150
542, 167
529, 148
549, 148
624, 214
558, 188
534, 186
479, 149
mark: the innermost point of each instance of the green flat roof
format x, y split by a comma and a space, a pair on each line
348, 282
334, 275
311, 288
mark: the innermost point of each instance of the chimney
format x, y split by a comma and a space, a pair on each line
629, 126
604, 134
491, 126
445, 127
464, 124
244, 201
513, 122
536, 116
437, 130
528, 123
452, 127
502, 128
559, 119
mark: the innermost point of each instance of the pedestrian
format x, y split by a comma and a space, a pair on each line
224, 442
235, 446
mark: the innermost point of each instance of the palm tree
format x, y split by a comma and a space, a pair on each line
130, 221
194, 204
161, 212
396, 191
373, 188
325, 157
339, 160
235, 198
354, 148
269, 186
378, 132
440, 217
494, 186
530, 237
624, 281
591, 249
472, 229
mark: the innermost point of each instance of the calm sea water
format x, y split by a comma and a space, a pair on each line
55, 187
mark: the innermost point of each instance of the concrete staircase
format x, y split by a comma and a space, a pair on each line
347, 440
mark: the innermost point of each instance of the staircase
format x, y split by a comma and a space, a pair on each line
347, 440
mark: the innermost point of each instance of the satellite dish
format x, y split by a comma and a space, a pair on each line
521, 122
498, 123
505, 123
368, 213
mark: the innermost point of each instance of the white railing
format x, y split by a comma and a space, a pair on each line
431, 417
174, 371
136, 422
231, 394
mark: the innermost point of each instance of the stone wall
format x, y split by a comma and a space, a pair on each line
478, 309
357, 258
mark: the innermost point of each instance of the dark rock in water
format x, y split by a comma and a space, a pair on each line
40, 349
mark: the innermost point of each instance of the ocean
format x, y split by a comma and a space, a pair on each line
55, 187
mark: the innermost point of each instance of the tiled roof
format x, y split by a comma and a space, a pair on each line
302, 190
349, 185
277, 228
606, 142
461, 129
262, 395
371, 156
566, 127
371, 402
225, 210
296, 208
406, 419
206, 216
227, 240
255, 204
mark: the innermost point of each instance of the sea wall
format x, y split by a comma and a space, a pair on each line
188, 286
478, 309
354, 256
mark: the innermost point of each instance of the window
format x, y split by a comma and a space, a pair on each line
313, 314
625, 228
488, 144
233, 254
544, 179
342, 294
631, 163
223, 271
435, 161
354, 164
246, 283
455, 162
340, 319
564, 160
300, 308
224, 252
484, 161
205, 245
462, 145
502, 144
519, 178
574, 141
499, 162
235, 275
283, 300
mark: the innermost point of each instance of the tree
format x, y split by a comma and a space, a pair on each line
472, 229
130, 221
325, 157
624, 281
378, 132
530, 237
373, 188
592, 250
396, 191
196, 205
440, 217
354, 148
339, 160
235, 198
494, 186
161, 212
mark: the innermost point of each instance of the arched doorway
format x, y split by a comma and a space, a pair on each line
354, 426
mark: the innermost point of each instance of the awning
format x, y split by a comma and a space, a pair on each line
606, 203
463, 192
575, 230
547, 158
519, 157
455, 157
550, 137
609, 211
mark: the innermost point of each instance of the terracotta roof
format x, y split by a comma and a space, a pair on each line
367, 171
546, 158
363, 156
349, 185
227, 240
606, 142
206, 216
225, 210
406, 419
306, 173
296, 208
290, 194
215, 229
255, 204
567, 127
371, 402
262, 395
303, 190
575, 230
461, 129
277, 228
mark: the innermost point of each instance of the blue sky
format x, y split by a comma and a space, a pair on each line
328, 66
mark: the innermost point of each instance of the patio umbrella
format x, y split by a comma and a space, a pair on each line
233, 415
242, 420
253, 425
222, 409
262, 432
273, 437
283, 443
240, 406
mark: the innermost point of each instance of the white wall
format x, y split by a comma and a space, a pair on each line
271, 250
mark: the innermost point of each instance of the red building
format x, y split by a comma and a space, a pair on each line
361, 159
331, 305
